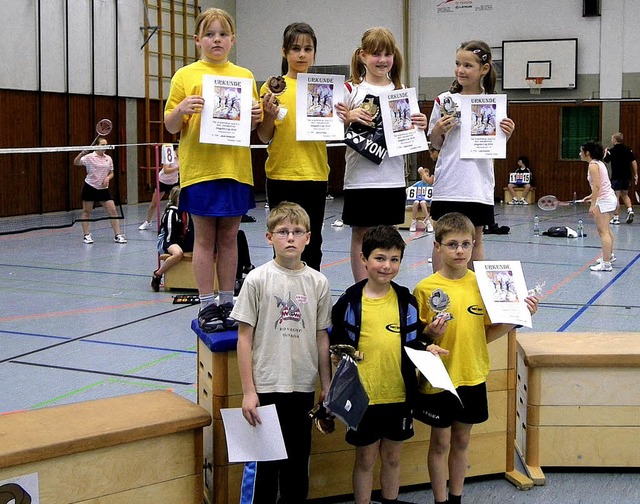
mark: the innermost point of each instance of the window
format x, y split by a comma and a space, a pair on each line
579, 125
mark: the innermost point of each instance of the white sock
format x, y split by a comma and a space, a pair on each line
225, 296
206, 300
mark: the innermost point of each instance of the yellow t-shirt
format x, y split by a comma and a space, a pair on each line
200, 162
381, 343
289, 159
465, 337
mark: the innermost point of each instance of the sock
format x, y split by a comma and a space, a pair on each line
389, 501
225, 296
439, 502
455, 499
206, 300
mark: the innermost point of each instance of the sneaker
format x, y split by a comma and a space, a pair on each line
630, 216
329, 197
155, 282
601, 266
612, 260
209, 319
227, 320
429, 226
414, 225
119, 239
514, 201
88, 239
523, 201
337, 223
615, 220
144, 226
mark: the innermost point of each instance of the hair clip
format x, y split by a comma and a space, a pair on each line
483, 55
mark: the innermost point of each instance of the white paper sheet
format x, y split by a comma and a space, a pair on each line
248, 444
503, 290
400, 133
480, 133
226, 114
316, 97
433, 369
18, 489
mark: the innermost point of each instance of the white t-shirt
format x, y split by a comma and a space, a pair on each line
286, 308
360, 173
456, 179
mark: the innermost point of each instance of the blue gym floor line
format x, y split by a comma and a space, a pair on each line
589, 303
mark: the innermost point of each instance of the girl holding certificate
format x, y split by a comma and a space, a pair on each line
374, 192
463, 185
296, 171
216, 179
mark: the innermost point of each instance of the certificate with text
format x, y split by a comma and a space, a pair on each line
226, 114
401, 135
316, 98
480, 133
503, 290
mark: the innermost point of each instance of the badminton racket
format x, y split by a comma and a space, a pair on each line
550, 202
103, 128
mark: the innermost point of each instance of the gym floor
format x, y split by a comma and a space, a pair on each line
80, 322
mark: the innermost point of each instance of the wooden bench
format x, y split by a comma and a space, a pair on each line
491, 449
531, 195
578, 400
136, 448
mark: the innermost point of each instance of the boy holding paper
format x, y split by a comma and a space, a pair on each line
378, 318
452, 308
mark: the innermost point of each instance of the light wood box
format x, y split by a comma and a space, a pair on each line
578, 400
531, 195
491, 450
137, 448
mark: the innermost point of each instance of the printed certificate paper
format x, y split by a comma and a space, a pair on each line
316, 97
226, 115
503, 290
400, 133
480, 133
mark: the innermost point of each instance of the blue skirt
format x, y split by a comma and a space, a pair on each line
217, 198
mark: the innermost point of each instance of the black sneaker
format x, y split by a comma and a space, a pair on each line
210, 319
225, 313
155, 282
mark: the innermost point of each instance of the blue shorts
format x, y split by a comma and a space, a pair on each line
217, 198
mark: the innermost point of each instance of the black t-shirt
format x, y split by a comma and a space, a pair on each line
620, 156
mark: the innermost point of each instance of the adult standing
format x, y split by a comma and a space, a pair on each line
623, 168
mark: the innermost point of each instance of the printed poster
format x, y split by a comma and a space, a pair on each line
503, 291
480, 133
316, 118
226, 115
401, 135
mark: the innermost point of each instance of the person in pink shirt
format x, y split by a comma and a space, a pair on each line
96, 189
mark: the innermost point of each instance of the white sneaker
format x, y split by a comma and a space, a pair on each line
514, 201
414, 226
601, 266
524, 202
119, 239
144, 226
429, 227
612, 260
630, 216
329, 197
615, 220
87, 239
337, 223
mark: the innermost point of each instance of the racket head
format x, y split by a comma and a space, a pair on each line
548, 203
104, 127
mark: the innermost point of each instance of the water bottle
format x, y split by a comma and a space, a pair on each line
536, 226
580, 228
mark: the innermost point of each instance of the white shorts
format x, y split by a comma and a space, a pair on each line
607, 204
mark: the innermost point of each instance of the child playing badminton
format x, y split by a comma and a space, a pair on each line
96, 189
168, 178
216, 180
463, 185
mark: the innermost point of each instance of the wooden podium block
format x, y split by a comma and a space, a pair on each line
491, 451
181, 277
578, 400
135, 448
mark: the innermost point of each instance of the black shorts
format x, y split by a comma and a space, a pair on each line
90, 193
443, 408
479, 213
382, 421
374, 207
620, 185
167, 187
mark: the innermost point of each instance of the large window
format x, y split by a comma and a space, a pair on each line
579, 125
